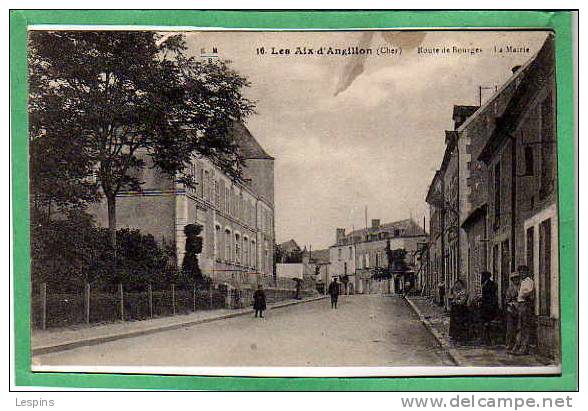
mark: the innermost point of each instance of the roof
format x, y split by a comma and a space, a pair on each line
408, 226
434, 197
532, 76
461, 113
451, 138
249, 147
475, 215
320, 256
289, 246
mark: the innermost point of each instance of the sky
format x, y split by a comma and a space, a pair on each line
350, 132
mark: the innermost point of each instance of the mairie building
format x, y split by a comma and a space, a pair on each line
237, 217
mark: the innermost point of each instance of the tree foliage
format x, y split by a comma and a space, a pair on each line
72, 251
101, 103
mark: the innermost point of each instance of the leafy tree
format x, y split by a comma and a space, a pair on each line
70, 252
112, 99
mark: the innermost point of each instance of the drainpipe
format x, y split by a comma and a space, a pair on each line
513, 200
458, 209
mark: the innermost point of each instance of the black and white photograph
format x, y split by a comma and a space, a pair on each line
293, 203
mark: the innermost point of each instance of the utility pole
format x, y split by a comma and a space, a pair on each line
366, 219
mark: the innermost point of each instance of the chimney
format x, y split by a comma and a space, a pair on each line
340, 233
515, 69
375, 223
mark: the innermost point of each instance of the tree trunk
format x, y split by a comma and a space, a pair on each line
111, 202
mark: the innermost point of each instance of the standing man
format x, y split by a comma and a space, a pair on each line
526, 306
488, 306
259, 301
334, 292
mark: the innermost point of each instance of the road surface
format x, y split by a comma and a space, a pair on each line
366, 330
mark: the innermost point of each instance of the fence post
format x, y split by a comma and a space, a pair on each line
173, 286
194, 297
87, 303
210, 295
43, 305
150, 296
122, 302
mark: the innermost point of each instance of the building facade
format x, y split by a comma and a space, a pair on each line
522, 195
317, 264
361, 253
237, 217
435, 268
476, 131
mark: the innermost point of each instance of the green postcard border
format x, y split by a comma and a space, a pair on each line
558, 21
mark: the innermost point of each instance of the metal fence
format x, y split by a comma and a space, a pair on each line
91, 304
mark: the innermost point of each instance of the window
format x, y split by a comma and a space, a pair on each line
266, 261
217, 196
339, 254
253, 254
497, 195
238, 200
350, 253
227, 246
237, 249
545, 268
547, 147
529, 161
194, 176
245, 252
218, 242
227, 200
204, 186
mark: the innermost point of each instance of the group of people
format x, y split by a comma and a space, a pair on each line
259, 301
479, 318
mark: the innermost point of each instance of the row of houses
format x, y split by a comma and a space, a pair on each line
493, 201
356, 258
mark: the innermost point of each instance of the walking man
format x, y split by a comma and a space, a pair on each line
259, 301
334, 292
526, 305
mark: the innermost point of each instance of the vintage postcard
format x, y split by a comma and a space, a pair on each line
293, 203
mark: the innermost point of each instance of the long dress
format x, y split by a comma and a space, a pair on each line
259, 300
459, 317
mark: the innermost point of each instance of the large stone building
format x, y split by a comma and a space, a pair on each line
358, 255
237, 217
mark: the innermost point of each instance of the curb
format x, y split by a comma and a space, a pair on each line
113, 337
454, 355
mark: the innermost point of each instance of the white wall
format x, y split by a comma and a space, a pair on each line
292, 270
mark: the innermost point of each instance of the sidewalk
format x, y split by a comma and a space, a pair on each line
52, 340
437, 321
